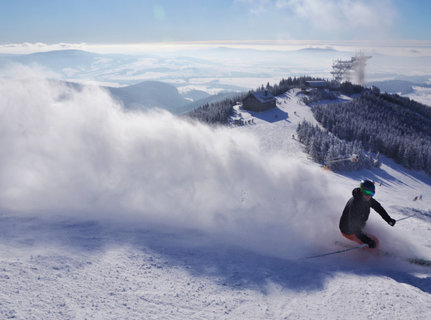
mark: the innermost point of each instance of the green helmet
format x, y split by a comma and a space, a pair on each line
367, 187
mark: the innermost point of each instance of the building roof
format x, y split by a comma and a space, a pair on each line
263, 96
316, 83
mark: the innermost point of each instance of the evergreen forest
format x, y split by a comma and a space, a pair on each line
395, 126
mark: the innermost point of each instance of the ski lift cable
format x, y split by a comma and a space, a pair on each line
353, 157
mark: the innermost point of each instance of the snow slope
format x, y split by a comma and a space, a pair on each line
113, 215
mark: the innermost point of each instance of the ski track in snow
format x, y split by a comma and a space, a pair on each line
65, 268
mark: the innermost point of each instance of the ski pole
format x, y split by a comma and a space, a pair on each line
364, 245
407, 217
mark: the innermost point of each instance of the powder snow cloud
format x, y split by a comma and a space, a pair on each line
77, 153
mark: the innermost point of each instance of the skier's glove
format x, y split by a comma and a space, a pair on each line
392, 222
371, 244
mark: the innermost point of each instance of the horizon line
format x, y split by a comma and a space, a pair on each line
280, 44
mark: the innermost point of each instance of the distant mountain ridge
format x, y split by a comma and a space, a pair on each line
149, 94
155, 94
57, 59
312, 49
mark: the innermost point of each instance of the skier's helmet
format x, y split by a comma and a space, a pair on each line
367, 187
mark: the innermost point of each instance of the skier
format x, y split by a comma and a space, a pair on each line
356, 213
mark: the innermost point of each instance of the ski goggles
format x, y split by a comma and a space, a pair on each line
367, 192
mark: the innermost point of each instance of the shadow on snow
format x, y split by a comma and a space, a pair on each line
273, 115
199, 254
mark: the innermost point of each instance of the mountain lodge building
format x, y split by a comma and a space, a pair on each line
316, 84
259, 101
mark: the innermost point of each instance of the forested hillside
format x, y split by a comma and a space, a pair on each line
220, 112
371, 123
333, 152
395, 126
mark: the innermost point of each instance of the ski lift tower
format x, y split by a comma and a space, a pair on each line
341, 69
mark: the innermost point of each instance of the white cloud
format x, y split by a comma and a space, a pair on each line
338, 16
335, 15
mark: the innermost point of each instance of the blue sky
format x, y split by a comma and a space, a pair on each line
134, 21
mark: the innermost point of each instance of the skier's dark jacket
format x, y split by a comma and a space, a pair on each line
356, 214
